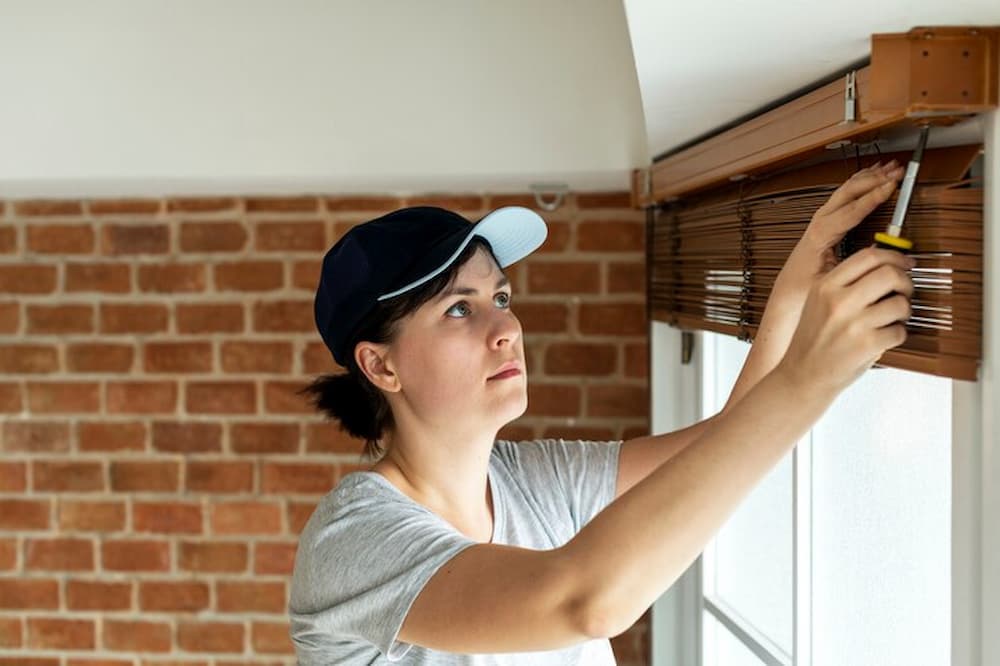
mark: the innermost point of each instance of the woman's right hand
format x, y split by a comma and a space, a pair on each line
850, 318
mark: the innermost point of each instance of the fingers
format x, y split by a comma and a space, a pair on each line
865, 261
890, 311
879, 283
860, 184
888, 337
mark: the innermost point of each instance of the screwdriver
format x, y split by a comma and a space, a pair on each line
891, 238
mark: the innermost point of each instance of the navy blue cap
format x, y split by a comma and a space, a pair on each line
392, 254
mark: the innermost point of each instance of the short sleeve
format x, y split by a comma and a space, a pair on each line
360, 565
583, 472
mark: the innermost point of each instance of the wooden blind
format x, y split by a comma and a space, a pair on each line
714, 257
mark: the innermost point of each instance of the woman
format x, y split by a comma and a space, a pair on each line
455, 548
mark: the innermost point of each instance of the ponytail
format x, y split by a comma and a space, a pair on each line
360, 408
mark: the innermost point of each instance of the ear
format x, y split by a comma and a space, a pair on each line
372, 360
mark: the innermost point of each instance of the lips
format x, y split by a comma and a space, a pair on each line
509, 365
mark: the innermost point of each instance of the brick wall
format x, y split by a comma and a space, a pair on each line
155, 463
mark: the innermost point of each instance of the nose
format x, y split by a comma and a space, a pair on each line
506, 329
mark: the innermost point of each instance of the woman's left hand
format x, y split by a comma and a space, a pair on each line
851, 203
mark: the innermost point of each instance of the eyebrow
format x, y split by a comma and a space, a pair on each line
503, 281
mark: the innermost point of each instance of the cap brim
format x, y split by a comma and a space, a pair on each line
513, 233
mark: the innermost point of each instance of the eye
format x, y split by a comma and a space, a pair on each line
502, 298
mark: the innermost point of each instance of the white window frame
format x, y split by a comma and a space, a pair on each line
975, 577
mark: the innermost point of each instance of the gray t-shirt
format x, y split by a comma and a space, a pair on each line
368, 549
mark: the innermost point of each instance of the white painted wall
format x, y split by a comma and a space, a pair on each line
121, 96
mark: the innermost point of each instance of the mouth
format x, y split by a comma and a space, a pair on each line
509, 369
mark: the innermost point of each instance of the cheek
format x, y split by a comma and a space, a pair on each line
439, 367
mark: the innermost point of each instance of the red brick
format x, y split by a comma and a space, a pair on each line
617, 401
8, 240
553, 400
29, 593
60, 238
134, 239
10, 398
637, 360
274, 558
97, 595
524, 200
201, 204
67, 476
578, 358
183, 596
213, 237
613, 319
612, 236
29, 661
329, 438
101, 662
47, 208
99, 357
172, 278
35, 437
100, 277
141, 397
91, 516
63, 397
187, 436
221, 398
124, 207
196, 318
111, 436
27, 279
374, 204
627, 278
456, 202
13, 477
10, 318
290, 237
246, 518
604, 200
144, 476
298, 515
249, 597
24, 514
177, 357
219, 476
8, 554
590, 433
213, 557
317, 360
53, 634
271, 638
305, 274
296, 477
136, 636
10, 632
284, 316
24, 359
272, 357
264, 438
135, 555
210, 636
59, 319
167, 517
281, 204
133, 318
283, 398
60, 554
249, 276
542, 317
564, 277
635, 431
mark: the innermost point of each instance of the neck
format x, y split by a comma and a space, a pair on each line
448, 475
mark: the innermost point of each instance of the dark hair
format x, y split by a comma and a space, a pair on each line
349, 397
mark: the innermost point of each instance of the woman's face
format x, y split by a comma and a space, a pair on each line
446, 351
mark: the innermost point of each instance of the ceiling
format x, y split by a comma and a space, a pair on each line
702, 65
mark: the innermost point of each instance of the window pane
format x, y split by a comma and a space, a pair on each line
721, 648
748, 566
882, 523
